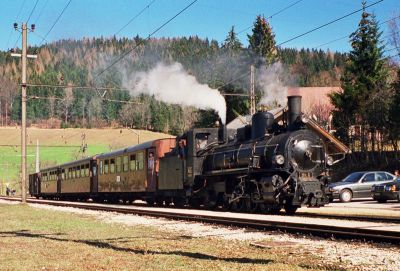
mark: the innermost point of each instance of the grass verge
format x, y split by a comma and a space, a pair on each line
36, 239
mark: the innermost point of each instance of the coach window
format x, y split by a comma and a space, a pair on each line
118, 164
140, 161
133, 162
82, 170
77, 172
63, 174
105, 166
87, 170
101, 167
112, 166
125, 164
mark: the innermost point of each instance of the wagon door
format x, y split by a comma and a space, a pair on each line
93, 177
151, 170
58, 178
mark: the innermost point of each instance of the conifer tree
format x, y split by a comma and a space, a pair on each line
232, 43
262, 41
364, 100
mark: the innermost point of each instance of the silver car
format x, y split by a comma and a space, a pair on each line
358, 185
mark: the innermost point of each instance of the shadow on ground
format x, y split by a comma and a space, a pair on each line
107, 245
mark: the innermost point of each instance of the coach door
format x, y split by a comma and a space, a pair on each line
93, 177
151, 170
58, 178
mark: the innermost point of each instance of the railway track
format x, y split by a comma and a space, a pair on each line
371, 233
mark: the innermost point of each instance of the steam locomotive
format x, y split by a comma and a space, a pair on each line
262, 167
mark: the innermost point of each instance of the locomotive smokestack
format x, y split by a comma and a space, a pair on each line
222, 133
294, 109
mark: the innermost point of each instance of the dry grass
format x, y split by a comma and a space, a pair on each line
34, 239
70, 136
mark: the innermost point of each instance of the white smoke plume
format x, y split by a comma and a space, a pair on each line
272, 81
172, 84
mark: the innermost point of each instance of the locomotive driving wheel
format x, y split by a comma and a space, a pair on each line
253, 203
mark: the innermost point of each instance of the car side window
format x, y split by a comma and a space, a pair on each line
370, 177
381, 176
391, 177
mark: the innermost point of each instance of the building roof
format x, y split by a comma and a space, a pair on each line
312, 96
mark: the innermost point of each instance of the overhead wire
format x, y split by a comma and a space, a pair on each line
16, 18
34, 97
55, 22
273, 15
341, 38
41, 11
329, 23
123, 27
29, 17
123, 55
33, 9
79, 87
134, 17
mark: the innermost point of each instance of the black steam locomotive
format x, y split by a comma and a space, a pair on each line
265, 166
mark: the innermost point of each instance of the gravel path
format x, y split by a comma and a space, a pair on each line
354, 255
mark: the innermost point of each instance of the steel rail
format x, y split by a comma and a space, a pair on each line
329, 231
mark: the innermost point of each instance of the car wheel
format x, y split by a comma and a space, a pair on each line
345, 195
381, 200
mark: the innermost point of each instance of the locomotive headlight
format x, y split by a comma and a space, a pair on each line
279, 159
329, 160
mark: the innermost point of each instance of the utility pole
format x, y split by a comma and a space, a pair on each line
252, 94
37, 157
24, 57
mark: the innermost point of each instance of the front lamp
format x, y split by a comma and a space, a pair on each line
329, 160
279, 159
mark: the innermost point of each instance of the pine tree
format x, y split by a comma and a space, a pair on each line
364, 100
262, 41
232, 43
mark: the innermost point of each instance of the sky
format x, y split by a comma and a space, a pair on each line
205, 18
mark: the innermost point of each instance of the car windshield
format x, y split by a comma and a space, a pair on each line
353, 177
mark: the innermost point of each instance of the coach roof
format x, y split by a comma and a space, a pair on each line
139, 147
